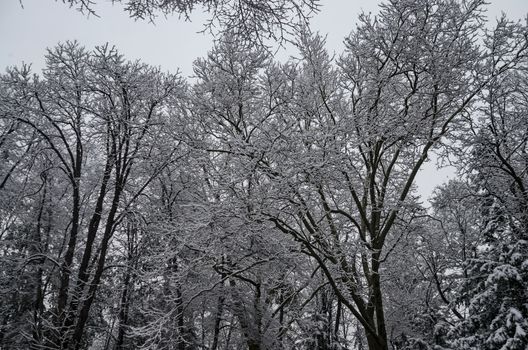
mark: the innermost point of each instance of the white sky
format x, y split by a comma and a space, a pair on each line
171, 43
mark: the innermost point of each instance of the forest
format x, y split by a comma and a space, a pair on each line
267, 204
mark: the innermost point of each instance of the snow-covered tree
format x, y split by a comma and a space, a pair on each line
270, 205
252, 20
495, 293
100, 121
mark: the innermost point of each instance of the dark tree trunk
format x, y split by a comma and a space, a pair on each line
218, 319
94, 284
123, 310
38, 307
180, 319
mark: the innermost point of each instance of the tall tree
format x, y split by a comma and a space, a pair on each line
494, 296
102, 120
342, 152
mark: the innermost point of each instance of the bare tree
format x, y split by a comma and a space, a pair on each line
495, 288
343, 151
254, 20
101, 118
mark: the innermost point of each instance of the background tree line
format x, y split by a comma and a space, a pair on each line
271, 205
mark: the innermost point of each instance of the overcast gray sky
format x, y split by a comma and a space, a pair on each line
171, 43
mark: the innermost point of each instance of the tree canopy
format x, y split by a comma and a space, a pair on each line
267, 205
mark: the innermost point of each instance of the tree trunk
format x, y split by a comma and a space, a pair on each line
94, 285
123, 310
180, 319
248, 330
218, 319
